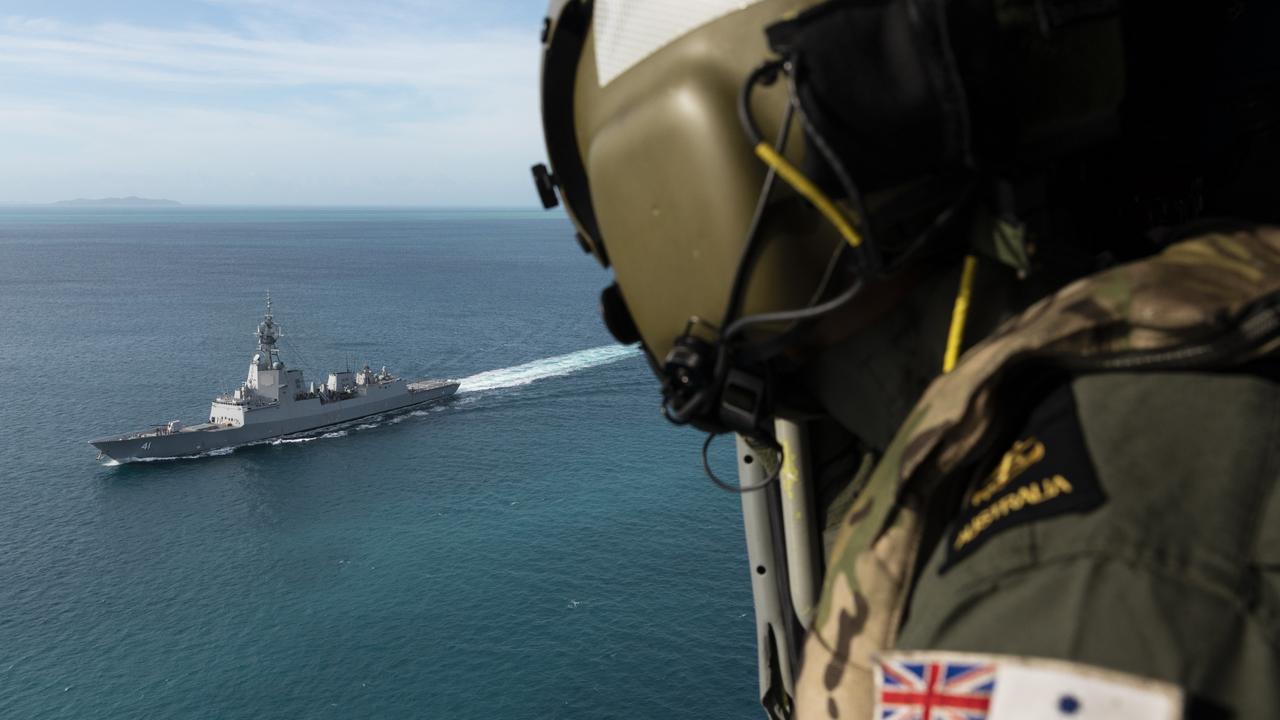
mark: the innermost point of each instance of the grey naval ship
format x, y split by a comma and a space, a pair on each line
274, 401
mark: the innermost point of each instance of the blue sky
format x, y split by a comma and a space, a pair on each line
406, 102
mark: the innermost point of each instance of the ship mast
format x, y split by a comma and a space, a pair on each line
268, 333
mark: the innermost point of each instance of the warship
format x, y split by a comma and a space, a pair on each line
275, 401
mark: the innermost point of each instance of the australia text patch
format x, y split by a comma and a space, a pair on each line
1046, 472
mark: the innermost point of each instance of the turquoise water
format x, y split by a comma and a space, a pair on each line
543, 546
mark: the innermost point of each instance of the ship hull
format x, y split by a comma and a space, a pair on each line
265, 423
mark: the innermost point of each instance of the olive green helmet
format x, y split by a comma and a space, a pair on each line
748, 165
647, 150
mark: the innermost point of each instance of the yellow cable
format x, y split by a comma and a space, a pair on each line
796, 179
959, 313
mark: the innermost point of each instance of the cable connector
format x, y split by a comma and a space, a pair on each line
743, 403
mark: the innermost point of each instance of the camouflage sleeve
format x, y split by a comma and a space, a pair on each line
1171, 570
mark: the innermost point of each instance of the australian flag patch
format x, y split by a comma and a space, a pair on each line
909, 690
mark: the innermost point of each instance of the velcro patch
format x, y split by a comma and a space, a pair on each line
968, 686
1046, 472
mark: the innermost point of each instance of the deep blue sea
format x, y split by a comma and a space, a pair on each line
542, 546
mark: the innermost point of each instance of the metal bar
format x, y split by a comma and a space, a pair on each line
772, 627
799, 529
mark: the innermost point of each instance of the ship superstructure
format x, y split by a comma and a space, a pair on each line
276, 401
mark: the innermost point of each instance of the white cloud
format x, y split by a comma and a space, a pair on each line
369, 114
126, 53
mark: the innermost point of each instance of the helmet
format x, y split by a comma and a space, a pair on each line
756, 172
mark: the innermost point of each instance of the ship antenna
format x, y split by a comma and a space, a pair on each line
268, 333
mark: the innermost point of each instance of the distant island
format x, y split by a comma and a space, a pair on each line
131, 201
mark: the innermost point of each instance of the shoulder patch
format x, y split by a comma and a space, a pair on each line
1046, 472
931, 685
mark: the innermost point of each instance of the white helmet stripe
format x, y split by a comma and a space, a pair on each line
628, 31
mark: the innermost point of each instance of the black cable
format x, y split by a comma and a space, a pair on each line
870, 264
869, 252
306, 361
765, 349
732, 324
807, 313
683, 414
770, 69
940, 222
762, 350
829, 272
752, 248
706, 467
855, 196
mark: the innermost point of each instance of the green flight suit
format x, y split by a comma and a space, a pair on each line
1094, 482
1175, 576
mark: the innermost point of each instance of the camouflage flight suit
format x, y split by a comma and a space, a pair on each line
1094, 482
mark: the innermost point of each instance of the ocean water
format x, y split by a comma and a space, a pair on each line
542, 546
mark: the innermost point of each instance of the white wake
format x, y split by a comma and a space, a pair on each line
557, 366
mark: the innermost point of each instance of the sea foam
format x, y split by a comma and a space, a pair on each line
536, 370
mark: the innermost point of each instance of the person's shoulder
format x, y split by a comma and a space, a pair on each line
1154, 467
1133, 521
1189, 459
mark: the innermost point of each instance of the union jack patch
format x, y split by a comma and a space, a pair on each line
936, 685
913, 690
